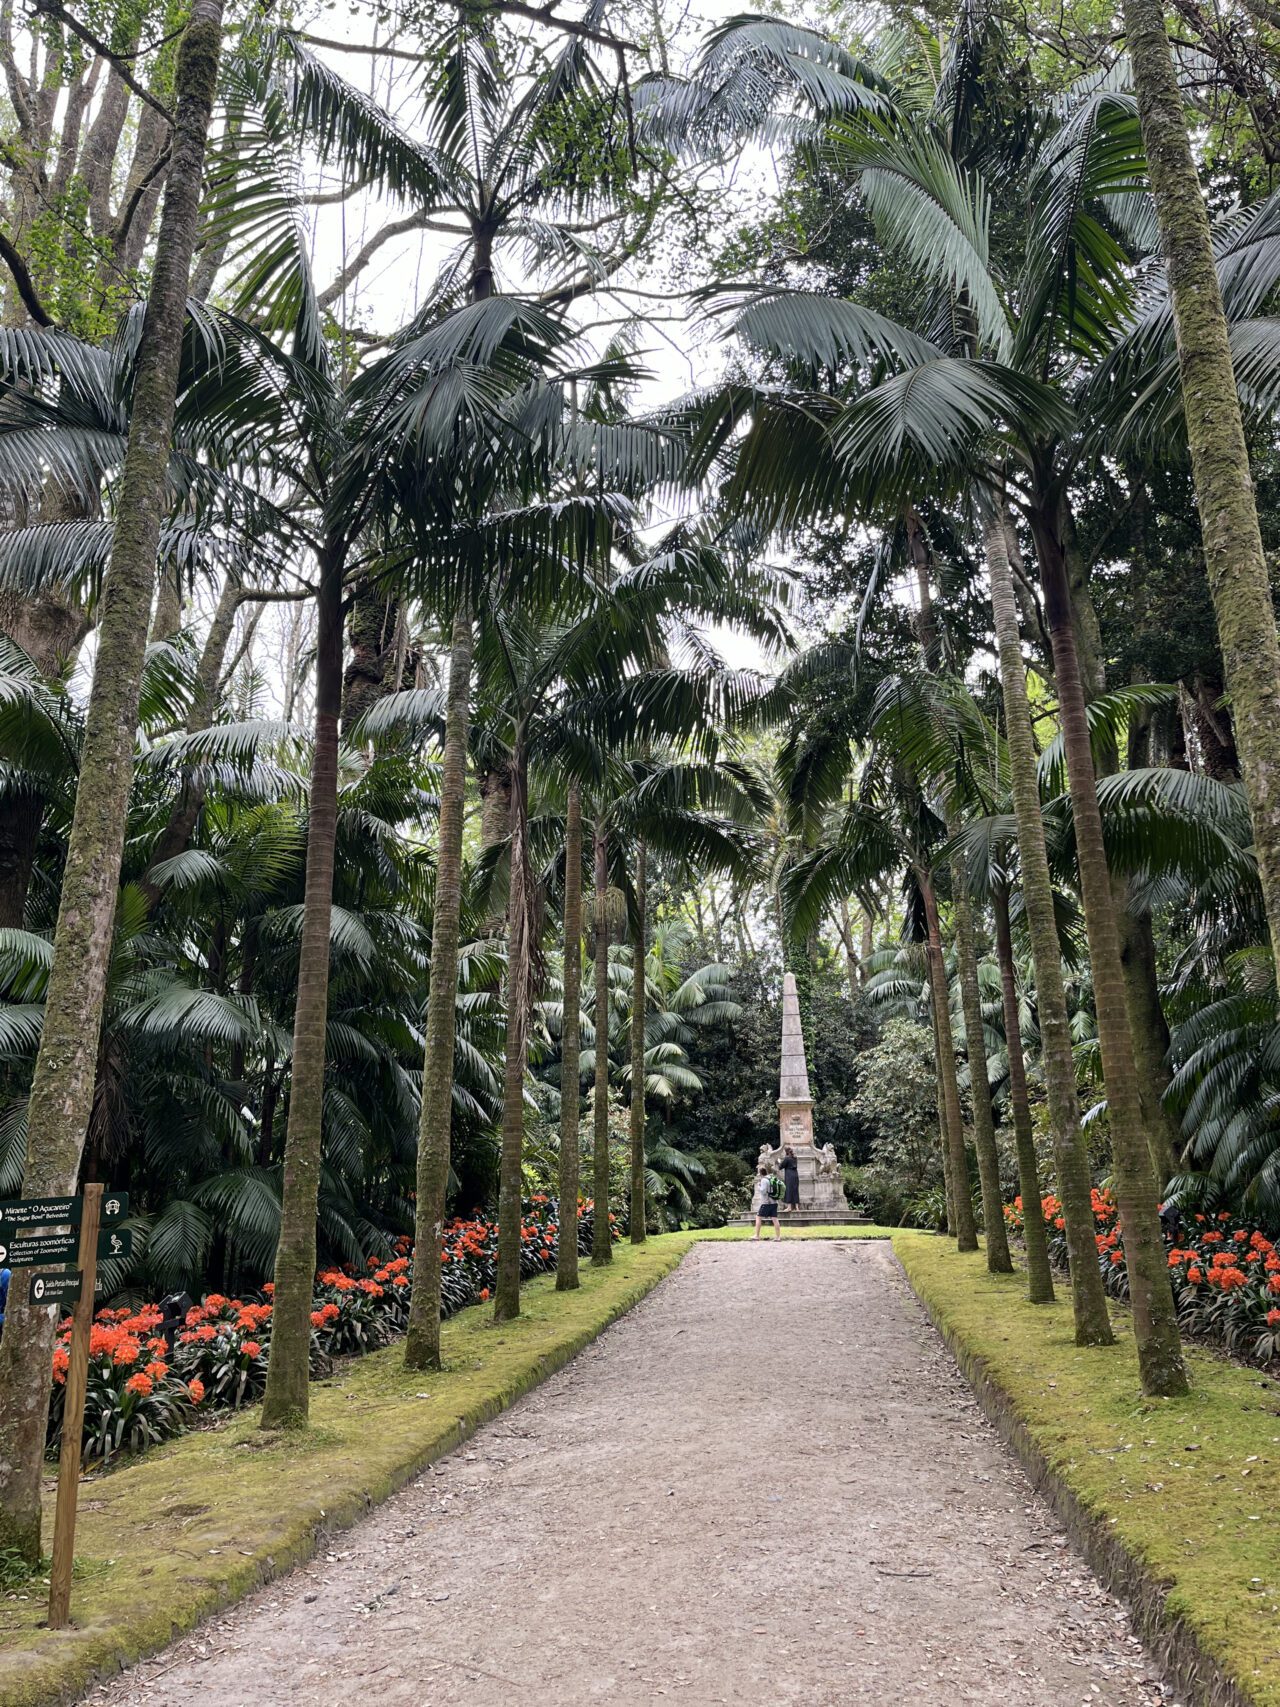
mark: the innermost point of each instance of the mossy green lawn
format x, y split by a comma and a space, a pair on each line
1190, 1487
166, 1539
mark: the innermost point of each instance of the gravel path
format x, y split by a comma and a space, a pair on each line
768, 1483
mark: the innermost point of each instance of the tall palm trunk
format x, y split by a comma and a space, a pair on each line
1039, 1273
601, 1240
570, 1047
984, 1129
944, 1139
1239, 579
1155, 1322
285, 1402
637, 1056
1071, 1163
422, 1343
62, 1088
506, 1297
962, 1204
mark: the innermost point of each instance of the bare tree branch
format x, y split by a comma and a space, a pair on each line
51, 9
22, 278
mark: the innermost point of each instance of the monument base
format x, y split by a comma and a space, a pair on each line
810, 1218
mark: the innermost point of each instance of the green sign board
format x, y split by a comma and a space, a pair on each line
38, 1249
57, 1211
115, 1244
33, 1250
55, 1288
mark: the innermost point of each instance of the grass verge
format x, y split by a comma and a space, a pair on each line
1173, 1501
168, 1538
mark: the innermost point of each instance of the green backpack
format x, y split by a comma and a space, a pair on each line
775, 1187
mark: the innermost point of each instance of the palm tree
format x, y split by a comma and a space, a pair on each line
1239, 579
907, 430
62, 1090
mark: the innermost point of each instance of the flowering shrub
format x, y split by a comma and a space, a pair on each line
1225, 1275
223, 1348
134, 1397
139, 1394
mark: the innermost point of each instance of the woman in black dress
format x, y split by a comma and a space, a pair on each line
790, 1179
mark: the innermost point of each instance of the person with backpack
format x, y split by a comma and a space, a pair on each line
764, 1200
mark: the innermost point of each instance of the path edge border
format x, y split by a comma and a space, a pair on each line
1176, 1648
56, 1680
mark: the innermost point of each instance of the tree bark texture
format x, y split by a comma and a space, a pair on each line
601, 1242
285, 1402
506, 1300
984, 1128
422, 1343
1155, 1323
1034, 1237
63, 1084
1071, 1162
963, 1226
570, 1047
1237, 568
637, 1056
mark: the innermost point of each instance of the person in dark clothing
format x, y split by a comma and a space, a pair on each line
790, 1179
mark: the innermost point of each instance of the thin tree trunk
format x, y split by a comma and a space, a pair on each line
1071, 1162
984, 1129
962, 1204
506, 1298
1034, 1237
637, 1056
1155, 1322
1150, 1034
944, 1139
1239, 580
285, 1401
422, 1342
62, 1089
570, 1047
850, 952
601, 1240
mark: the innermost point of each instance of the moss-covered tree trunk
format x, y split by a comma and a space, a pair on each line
422, 1343
638, 1005
65, 1071
1155, 1323
570, 1047
962, 1224
984, 1127
1034, 1237
1239, 580
601, 1241
520, 947
286, 1399
1071, 1162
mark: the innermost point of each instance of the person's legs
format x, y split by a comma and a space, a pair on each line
757, 1231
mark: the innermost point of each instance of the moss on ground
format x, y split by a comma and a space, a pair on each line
1188, 1487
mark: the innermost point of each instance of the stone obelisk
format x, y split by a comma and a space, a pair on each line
795, 1105
821, 1187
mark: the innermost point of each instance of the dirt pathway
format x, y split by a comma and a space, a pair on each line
769, 1483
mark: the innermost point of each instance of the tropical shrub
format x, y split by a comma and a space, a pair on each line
135, 1397
1225, 1274
140, 1393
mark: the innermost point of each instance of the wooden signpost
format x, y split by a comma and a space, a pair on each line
27, 1242
64, 1521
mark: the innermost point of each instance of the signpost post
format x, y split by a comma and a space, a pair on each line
64, 1522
